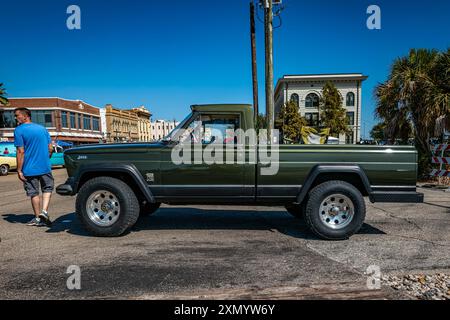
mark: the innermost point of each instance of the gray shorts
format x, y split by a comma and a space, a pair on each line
32, 184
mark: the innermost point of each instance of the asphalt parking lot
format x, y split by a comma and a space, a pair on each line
215, 252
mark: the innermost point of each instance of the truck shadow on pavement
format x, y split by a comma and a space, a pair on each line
245, 219
186, 218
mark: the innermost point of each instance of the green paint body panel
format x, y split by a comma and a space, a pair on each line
384, 166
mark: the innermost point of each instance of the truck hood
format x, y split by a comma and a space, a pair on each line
115, 148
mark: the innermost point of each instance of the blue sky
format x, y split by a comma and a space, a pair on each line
168, 55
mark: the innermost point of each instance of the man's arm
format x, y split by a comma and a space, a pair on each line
50, 150
19, 158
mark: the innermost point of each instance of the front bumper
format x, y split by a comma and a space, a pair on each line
67, 188
396, 197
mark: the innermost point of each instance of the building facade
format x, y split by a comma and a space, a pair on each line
68, 120
161, 128
144, 123
306, 91
121, 125
127, 125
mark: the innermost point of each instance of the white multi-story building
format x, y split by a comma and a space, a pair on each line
161, 128
306, 91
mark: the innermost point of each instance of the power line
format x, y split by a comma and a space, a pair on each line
276, 13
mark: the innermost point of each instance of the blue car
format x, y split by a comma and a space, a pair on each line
7, 149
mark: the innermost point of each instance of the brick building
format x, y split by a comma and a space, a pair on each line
68, 120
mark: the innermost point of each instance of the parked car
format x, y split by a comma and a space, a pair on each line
57, 158
7, 164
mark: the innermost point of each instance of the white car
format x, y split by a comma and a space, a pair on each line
6, 164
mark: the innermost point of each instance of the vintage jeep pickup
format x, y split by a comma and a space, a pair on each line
324, 184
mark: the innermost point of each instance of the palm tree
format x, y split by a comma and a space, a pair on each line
3, 99
416, 93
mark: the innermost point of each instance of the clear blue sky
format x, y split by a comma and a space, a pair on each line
168, 55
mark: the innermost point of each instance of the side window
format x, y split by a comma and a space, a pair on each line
210, 128
219, 128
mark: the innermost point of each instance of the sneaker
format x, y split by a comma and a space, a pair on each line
36, 222
45, 218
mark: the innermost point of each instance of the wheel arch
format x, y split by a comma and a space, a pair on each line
127, 173
352, 174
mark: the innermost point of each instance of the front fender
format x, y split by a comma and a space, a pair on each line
129, 169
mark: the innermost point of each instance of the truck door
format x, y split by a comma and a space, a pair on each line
206, 180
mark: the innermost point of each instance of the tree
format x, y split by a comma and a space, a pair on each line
3, 99
332, 113
416, 93
290, 123
261, 122
378, 132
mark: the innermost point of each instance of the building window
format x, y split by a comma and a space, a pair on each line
295, 99
95, 124
312, 119
87, 122
349, 137
64, 119
351, 118
7, 119
42, 117
79, 121
72, 121
350, 99
312, 101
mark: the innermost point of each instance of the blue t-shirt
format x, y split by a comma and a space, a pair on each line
34, 139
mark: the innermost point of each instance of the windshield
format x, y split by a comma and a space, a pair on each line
172, 133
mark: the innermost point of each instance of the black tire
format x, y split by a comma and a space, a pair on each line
4, 170
295, 210
319, 194
148, 208
129, 206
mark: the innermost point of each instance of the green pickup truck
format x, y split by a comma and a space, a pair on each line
323, 184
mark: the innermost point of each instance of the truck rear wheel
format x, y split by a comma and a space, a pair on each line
335, 210
107, 207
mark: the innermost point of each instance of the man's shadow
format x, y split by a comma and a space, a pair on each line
65, 223
187, 218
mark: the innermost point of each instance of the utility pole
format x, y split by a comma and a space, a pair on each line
268, 27
254, 66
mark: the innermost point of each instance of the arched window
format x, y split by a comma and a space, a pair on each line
350, 99
312, 101
296, 99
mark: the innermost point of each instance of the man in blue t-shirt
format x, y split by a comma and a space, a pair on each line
34, 150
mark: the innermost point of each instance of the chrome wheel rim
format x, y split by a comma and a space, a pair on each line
4, 169
103, 208
336, 211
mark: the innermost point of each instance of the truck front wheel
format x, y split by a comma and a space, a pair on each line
335, 210
107, 207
